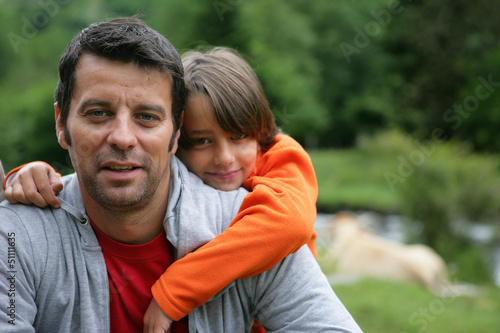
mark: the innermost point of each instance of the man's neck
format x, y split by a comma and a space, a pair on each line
136, 225
129, 228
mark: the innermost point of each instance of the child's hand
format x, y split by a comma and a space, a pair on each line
155, 320
35, 183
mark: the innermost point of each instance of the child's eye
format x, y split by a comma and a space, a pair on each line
200, 141
238, 137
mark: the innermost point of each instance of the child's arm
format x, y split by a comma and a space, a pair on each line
35, 182
274, 220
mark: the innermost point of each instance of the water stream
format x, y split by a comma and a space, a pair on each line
395, 227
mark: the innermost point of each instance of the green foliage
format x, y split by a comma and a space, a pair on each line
442, 186
470, 262
445, 187
477, 116
352, 179
333, 70
458, 184
35, 135
439, 49
291, 79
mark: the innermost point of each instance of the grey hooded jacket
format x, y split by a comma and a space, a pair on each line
53, 275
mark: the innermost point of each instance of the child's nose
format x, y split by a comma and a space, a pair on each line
224, 155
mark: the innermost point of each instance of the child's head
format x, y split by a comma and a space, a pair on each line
227, 118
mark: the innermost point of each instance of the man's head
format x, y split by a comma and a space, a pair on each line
128, 40
118, 108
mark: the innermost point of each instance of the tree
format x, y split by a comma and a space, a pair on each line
441, 48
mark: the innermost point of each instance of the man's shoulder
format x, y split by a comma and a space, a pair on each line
24, 214
31, 223
30, 227
36, 220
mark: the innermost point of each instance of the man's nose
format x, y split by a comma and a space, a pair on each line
122, 133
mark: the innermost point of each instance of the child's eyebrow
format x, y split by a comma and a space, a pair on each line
198, 132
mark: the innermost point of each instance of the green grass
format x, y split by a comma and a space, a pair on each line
389, 307
353, 179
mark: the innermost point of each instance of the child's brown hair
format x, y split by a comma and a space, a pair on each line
236, 93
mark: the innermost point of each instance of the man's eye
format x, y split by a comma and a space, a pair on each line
97, 113
147, 117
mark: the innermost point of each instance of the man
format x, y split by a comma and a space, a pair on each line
89, 266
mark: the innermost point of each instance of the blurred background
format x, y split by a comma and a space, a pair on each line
397, 102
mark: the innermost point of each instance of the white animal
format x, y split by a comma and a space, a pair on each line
358, 252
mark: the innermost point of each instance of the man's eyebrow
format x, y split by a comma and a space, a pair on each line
94, 102
106, 104
152, 107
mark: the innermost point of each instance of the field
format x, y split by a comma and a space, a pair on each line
350, 178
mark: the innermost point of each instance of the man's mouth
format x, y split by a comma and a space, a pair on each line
120, 168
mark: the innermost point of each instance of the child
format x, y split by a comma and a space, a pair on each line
229, 139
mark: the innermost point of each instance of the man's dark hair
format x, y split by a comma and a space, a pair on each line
128, 40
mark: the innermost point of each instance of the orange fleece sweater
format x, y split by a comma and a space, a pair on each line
275, 219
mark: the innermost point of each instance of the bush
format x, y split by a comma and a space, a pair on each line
445, 187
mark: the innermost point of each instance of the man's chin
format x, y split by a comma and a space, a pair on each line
121, 196
120, 201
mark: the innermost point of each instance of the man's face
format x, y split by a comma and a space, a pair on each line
119, 125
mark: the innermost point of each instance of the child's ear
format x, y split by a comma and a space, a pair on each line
60, 128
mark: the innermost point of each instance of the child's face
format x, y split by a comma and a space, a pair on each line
222, 160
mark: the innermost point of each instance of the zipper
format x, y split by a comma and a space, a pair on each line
108, 302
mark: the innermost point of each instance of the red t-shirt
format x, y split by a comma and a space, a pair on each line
132, 271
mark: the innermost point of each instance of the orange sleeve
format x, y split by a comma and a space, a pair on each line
274, 220
15, 170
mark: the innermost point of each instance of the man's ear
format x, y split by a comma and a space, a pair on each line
60, 128
181, 121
